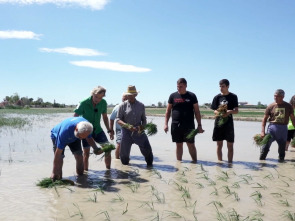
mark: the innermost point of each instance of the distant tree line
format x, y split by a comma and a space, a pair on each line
15, 101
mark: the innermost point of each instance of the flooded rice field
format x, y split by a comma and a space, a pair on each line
248, 189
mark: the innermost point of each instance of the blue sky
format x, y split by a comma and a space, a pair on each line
61, 50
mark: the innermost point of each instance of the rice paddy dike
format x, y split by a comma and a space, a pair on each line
18, 117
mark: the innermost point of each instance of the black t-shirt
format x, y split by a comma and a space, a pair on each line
182, 108
232, 102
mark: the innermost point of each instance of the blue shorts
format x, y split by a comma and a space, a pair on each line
99, 138
75, 147
118, 135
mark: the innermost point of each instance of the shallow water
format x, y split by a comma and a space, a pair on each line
208, 190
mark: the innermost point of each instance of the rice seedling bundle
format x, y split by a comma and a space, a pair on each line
260, 141
107, 147
127, 126
222, 109
192, 134
150, 129
49, 183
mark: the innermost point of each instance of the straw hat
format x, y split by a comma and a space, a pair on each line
131, 90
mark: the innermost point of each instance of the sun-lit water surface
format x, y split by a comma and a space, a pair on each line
208, 190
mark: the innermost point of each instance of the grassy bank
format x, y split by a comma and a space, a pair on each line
244, 114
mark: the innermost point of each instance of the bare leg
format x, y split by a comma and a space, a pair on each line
179, 151
230, 153
117, 152
287, 145
219, 150
108, 160
193, 151
79, 164
86, 157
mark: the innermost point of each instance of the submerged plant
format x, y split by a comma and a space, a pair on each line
49, 183
289, 215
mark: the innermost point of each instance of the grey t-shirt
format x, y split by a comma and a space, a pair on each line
132, 113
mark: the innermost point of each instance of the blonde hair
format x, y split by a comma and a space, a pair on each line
98, 90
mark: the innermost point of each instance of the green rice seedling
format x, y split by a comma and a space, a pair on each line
202, 168
289, 215
284, 202
148, 204
269, 176
172, 214
236, 195
199, 185
287, 184
106, 149
99, 189
221, 110
223, 178
205, 176
156, 172
134, 186
255, 216
257, 197
260, 186
215, 192
227, 190
216, 204
157, 217
225, 174
127, 126
94, 199
126, 210
183, 180
150, 129
260, 141
211, 182
192, 134
186, 193
194, 211
184, 201
79, 211
49, 183
236, 185
247, 176
118, 199
277, 194
107, 216
159, 196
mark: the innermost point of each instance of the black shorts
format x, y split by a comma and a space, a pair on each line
291, 134
75, 147
179, 133
225, 132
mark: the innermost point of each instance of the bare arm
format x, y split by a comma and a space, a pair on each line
167, 117
234, 111
106, 123
57, 165
264, 120
198, 117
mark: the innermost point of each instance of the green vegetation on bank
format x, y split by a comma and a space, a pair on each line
246, 114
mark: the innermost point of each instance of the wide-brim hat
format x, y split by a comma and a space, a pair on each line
131, 90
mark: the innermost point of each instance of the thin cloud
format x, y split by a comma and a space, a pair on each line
113, 66
12, 34
73, 51
92, 4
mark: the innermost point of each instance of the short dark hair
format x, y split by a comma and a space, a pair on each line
181, 81
224, 81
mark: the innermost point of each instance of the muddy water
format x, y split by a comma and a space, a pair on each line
208, 190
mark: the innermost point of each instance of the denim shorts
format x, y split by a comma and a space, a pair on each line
118, 135
99, 138
75, 147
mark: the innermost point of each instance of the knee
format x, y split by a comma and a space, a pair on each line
125, 160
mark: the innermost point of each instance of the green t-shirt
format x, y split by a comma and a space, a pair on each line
91, 113
290, 125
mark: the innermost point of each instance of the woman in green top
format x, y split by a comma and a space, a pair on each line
291, 128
